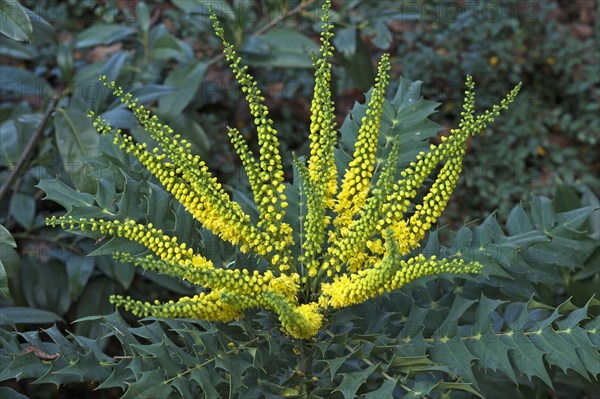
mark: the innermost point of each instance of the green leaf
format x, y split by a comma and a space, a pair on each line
592, 267
526, 357
518, 221
64, 195
165, 47
77, 141
7, 245
359, 65
113, 67
491, 352
235, 367
129, 203
43, 32
565, 199
576, 218
152, 384
64, 59
206, 381
220, 7
156, 199
25, 315
457, 386
405, 363
542, 214
94, 301
22, 208
448, 328
386, 390
79, 271
21, 82
345, 41
118, 377
44, 285
335, 364
159, 351
120, 118
106, 195
16, 50
590, 199
10, 262
570, 330
186, 80
12, 147
351, 382
102, 34
9, 393
4, 291
15, 21
143, 15
454, 353
85, 368
421, 389
283, 47
23, 367
6, 238
151, 92
557, 350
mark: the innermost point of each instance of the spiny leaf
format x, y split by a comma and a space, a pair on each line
526, 357
151, 385
454, 353
352, 381
386, 390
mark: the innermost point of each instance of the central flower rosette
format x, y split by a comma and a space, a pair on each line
361, 230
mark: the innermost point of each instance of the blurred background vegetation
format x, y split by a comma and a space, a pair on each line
165, 52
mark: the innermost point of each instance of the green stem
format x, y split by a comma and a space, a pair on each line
305, 366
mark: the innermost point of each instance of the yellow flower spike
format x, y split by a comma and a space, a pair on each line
362, 228
314, 225
320, 176
357, 287
389, 274
204, 274
436, 200
241, 302
406, 241
301, 321
451, 147
420, 266
286, 286
163, 246
215, 210
321, 163
357, 180
248, 161
366, 251
202, 306
270, 184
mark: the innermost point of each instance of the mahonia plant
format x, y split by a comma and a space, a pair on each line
361, 229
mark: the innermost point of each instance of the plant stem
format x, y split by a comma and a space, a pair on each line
31, 146
306, 362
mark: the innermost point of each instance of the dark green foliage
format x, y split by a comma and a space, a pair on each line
432, 337
549, 136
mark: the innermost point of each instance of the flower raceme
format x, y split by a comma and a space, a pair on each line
361, 229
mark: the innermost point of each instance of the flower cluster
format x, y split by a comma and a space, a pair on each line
357, 239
